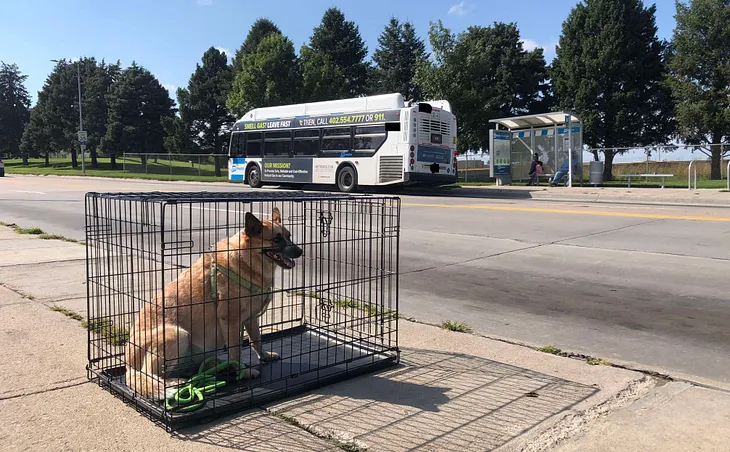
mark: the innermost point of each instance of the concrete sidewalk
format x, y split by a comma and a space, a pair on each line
453, 391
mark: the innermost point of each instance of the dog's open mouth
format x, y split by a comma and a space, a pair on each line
281, 261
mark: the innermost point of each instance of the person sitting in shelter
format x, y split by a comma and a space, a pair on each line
535, 169
560, 174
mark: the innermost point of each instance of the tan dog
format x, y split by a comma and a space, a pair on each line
195, 323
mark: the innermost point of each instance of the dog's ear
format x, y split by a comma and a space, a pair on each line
276, 216
252, 225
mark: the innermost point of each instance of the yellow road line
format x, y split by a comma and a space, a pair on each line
573, 212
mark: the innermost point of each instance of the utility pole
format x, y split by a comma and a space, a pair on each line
82, 133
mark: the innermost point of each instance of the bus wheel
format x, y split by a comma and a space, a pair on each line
347, 179
254, 176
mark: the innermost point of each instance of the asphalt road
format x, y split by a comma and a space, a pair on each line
640, 284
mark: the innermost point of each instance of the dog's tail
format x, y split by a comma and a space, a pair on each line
144, 363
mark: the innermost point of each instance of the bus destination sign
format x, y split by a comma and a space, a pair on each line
321, 121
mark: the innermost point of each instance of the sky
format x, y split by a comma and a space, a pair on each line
169, 37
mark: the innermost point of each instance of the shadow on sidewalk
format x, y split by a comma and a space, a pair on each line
432, 401
434, 192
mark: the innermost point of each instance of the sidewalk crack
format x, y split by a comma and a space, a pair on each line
65, 384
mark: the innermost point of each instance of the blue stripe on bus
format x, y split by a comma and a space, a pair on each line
237, 177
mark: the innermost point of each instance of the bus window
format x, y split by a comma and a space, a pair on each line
368, 139
253, 144
306, 142
336, 141
277, 143
238, 145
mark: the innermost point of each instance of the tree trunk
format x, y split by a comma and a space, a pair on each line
74, 159
94, 160
595, 155
48, 159
608, 164
113, 159
217, 166
25, 158
716, 157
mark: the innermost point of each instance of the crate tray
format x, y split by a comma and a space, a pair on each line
298, 370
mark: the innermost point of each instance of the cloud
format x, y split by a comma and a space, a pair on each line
459, 9
226, 51
530, 45
205, 2
548, 47
172, 89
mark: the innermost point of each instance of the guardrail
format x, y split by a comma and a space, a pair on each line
689, 176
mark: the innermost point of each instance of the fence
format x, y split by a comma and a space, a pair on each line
203, 165
668, 159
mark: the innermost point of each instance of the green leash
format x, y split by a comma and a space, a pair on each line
191, 396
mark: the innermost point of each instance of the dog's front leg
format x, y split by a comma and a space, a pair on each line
232, 331
254, 335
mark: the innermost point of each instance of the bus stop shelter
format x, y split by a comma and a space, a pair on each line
515, 140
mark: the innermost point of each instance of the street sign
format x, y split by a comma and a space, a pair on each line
83, 137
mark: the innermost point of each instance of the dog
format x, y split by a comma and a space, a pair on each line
205, 307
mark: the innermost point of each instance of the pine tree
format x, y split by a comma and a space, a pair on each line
36, 141
14, 108
340, 39
137, 105
97, 80
399, 50
609, 70
203, 105
269, 76
700, 75
259, 30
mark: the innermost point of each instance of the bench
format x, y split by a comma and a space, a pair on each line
629, 176
548, 175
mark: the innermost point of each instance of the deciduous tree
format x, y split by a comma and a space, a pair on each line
258, 31
269, 76
609, 70
321, 78
485, 73
700, 76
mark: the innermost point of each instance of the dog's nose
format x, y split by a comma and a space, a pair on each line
292, 252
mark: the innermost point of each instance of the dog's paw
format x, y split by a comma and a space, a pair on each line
268, 356
249, 373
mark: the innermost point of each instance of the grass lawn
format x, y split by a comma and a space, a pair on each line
204, 171
162, 170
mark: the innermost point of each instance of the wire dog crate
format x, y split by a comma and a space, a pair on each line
201, 304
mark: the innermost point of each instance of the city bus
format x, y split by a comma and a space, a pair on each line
366, 141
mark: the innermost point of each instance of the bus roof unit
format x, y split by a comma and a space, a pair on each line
354, 105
